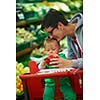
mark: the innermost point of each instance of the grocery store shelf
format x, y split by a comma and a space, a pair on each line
21, 23
23, 52
34, 20
29, 21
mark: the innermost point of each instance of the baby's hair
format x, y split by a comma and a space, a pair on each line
50, 40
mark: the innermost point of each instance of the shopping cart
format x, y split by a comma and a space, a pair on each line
33, 82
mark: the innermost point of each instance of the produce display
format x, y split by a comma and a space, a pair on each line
36, 10
38, 52
37, 7
32, 36
24, 59
23, 35
20, 69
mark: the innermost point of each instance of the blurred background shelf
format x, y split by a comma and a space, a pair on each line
23, 52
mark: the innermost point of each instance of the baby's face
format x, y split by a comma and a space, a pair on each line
52, 48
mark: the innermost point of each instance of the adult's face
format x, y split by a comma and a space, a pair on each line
57, 33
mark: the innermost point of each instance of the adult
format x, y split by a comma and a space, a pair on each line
55, 24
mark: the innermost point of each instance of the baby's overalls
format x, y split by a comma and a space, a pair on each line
65, 86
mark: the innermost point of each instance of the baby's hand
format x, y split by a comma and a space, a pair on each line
43, 63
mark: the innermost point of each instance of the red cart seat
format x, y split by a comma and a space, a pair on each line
34, 88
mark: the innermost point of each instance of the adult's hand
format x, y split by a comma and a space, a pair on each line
61, 63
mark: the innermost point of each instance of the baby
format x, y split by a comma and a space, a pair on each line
52, 48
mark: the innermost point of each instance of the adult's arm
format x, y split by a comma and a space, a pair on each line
77, 63
72, 54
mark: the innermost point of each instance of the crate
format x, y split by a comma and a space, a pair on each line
34, 87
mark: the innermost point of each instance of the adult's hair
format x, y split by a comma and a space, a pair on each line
52, 18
